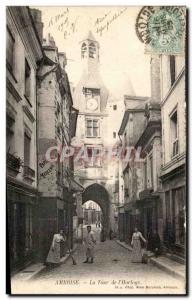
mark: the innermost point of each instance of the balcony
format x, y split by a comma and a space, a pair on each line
28, 174
13, 164
145, 194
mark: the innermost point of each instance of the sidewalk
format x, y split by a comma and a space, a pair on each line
162, 262
33, 270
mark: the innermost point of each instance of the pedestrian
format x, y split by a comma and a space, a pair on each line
103, 235
111, 234
90, 242
137, 237
54, 254
156, 243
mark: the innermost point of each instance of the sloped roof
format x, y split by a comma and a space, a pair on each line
89, 36
121, 85
91, 80
124, 122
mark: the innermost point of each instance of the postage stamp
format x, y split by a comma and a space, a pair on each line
162, 29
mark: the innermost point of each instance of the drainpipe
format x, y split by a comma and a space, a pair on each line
39, 64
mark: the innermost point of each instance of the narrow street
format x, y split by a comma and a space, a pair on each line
112, 263
96, 133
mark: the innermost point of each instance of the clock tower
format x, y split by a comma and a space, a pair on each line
90, 96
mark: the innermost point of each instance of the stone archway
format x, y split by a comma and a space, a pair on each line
99, 194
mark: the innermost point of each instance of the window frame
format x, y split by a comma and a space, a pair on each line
26, 135
92, 50
92, 127
151, 169
92, 161
174, 141
27, 81
84, 50
91, 92
172, 64
10, 64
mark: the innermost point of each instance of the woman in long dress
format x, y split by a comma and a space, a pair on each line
53, 256
136, 244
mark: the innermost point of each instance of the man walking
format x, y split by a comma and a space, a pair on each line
90, 242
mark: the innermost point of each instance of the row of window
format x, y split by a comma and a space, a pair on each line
174, 115
174, 147
10, 58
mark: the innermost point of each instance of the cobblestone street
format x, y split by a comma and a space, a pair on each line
112, 263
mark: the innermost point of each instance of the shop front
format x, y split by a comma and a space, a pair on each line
174, 234
22, 225
149, 206
175, 220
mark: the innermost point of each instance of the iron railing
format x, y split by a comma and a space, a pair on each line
13, 162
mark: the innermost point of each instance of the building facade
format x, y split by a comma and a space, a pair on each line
41, 122
90, 98
140, 133
130, 130
150, 202
23, 55
173, 171
56, 128
154, 185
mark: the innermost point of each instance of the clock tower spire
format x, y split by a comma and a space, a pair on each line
90, 93
90, 53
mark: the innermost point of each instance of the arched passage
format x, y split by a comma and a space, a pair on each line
98, 194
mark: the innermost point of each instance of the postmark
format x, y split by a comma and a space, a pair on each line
162, 29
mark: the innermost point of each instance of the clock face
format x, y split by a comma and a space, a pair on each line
92, 104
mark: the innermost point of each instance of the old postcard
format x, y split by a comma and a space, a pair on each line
96, 128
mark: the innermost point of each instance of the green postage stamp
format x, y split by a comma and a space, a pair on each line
162, 29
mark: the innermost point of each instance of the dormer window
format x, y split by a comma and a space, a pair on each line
84, 50
92, 50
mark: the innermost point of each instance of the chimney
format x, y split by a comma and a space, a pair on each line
152, 108
155, 79
36, 14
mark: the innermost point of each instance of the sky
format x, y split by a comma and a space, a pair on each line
121, 53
